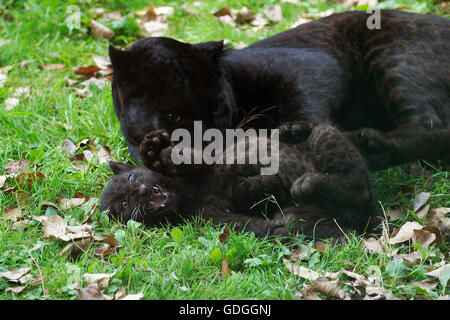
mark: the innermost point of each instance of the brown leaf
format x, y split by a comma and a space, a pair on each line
14, 275
437, 273
15, 290
104, 155
224, 272
28, 179
76, 247
101, 280
13, 213
244, 15
22, 224
11, 103
69, 147
420, 200
426, 284
274, 13
224, 235
308, 293
301, 271
423, 237
437, 232
17, 166
406, 232
329, 288
437, 218
107, 238
66, 204
92, 292
321, 246
87, 71
100, 31
397, 213
2, 181
373, 245
410, 259
150, 14
423, 212
224, 11
54, 66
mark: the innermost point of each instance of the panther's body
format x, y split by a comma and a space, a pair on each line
319, 180
388, 88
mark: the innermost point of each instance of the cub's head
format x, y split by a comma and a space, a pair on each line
164, 83
136, 193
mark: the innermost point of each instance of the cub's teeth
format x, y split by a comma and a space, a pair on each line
163, 205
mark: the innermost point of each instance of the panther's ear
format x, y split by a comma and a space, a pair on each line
210, 49
119, 167
120, 59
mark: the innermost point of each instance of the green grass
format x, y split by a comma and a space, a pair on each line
151, 260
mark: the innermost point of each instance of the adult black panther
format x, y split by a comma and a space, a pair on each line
388, 88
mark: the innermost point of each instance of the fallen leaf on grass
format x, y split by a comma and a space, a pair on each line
396, 214
423, 237
373, 245
66, 204
420, 200
423, 212
92, 292
223, 237
54, 66
406, 232
308, 293
86, 71
14, 275
100, 31
436, 217
76, 247
274, 13
22, 224
15, 167
2, 181
56, 228
329, 288
11, 103
153, 24
15, 290
437, 273
301, 271
99, 279
426, 284
121, 295
224, 271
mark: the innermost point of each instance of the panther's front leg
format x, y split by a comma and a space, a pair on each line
156, 151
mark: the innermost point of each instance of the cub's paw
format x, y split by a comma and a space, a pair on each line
306, 185
155, 151
296, 131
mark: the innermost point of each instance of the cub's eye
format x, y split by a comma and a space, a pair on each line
124, 204
174, 117
131, 178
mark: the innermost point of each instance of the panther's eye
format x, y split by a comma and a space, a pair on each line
124, 204
131, 178
174, 117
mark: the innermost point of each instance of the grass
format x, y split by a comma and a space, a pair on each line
154, 261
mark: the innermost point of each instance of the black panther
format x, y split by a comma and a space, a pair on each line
388, 89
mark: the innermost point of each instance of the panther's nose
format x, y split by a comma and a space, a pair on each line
142, 189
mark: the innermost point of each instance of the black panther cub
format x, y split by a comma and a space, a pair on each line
333, 183
388, 88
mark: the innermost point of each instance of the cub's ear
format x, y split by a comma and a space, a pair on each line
210, 49
119, 167
120, 59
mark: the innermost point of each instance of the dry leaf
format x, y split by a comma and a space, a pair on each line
14, 275
437, 218
329, 288
423, 212
54, 66
88, 71
308, 293
13, 213
424, 237
99, 279
107, 238
92, 292
104, 155
373, 245
2, 181
22, 224
244, 15
17, 166
66, 204
397, 213
274, 13
11, 103
301, 271
227, 20
224, 11
406, 232
410, 259
15, 290
100, 31
224, 272
259, 21
69, 147
76, 247
224, 235
426, 284
437, 273
115, 15
56, 228
420, 200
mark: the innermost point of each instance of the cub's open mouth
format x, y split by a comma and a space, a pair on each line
159, 198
